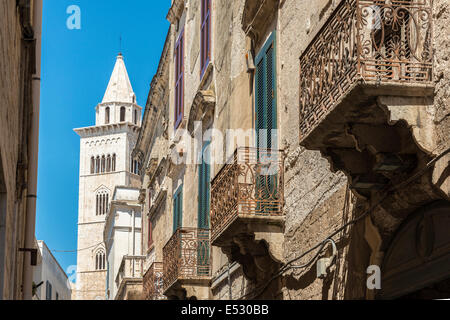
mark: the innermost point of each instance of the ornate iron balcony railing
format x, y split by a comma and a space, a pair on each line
153, 282
373, 41
186, 256
252, 183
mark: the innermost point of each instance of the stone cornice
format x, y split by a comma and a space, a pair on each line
175, 11
202, 108
257, 14
107, 129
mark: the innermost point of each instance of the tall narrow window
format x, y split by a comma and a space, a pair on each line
179, 80
135, 117
108, 163
97, 165
178, 209
122, 114
150, 233
100, 260
103, 164
265, 96
97, 205
204, 189
102, 203
113, 164
92, 165
107, 114
266, 117
205, 35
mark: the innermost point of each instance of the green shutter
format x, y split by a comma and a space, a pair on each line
204, 189
266, 119
178, 209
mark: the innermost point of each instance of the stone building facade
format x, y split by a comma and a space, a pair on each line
293, 148
122, 236
20, 34
105, 162
49, 279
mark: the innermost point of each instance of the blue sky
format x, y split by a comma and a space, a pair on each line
76, 66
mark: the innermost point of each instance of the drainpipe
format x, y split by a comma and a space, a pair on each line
134, 242
33, 148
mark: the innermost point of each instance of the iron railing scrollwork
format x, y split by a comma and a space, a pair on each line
187, 256
252, 183
380, 41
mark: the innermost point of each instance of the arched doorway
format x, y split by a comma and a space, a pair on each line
417, 263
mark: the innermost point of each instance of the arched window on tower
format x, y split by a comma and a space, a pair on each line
97, 165
108, 163
92, 165
107, 115
135, 117
102, 203
122, 114
113, 164
103, 168
100, 260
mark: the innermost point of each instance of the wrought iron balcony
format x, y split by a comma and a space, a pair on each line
250, 185
186, 257
153, 282
378, 43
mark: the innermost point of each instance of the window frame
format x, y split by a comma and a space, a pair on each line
204, 188
261, 57
177, 204
179, 80
205, 35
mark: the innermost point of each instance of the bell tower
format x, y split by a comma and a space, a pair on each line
105, 162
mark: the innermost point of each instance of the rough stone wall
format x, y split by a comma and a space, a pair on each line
240, 286
12, 115
441, 42
313, 194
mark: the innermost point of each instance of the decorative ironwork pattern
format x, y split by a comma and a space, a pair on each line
252, 183
153, 282
187, 256
383, 41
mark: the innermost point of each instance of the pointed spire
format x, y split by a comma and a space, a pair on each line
119, 87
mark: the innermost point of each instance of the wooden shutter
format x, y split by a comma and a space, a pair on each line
205, 35
178, 209
266, 119
179, 80
265, 94
203, 256
204, 189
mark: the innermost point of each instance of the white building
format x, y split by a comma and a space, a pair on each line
51, 278
122, 236
105, 162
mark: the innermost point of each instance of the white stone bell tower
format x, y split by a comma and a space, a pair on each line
105, 162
